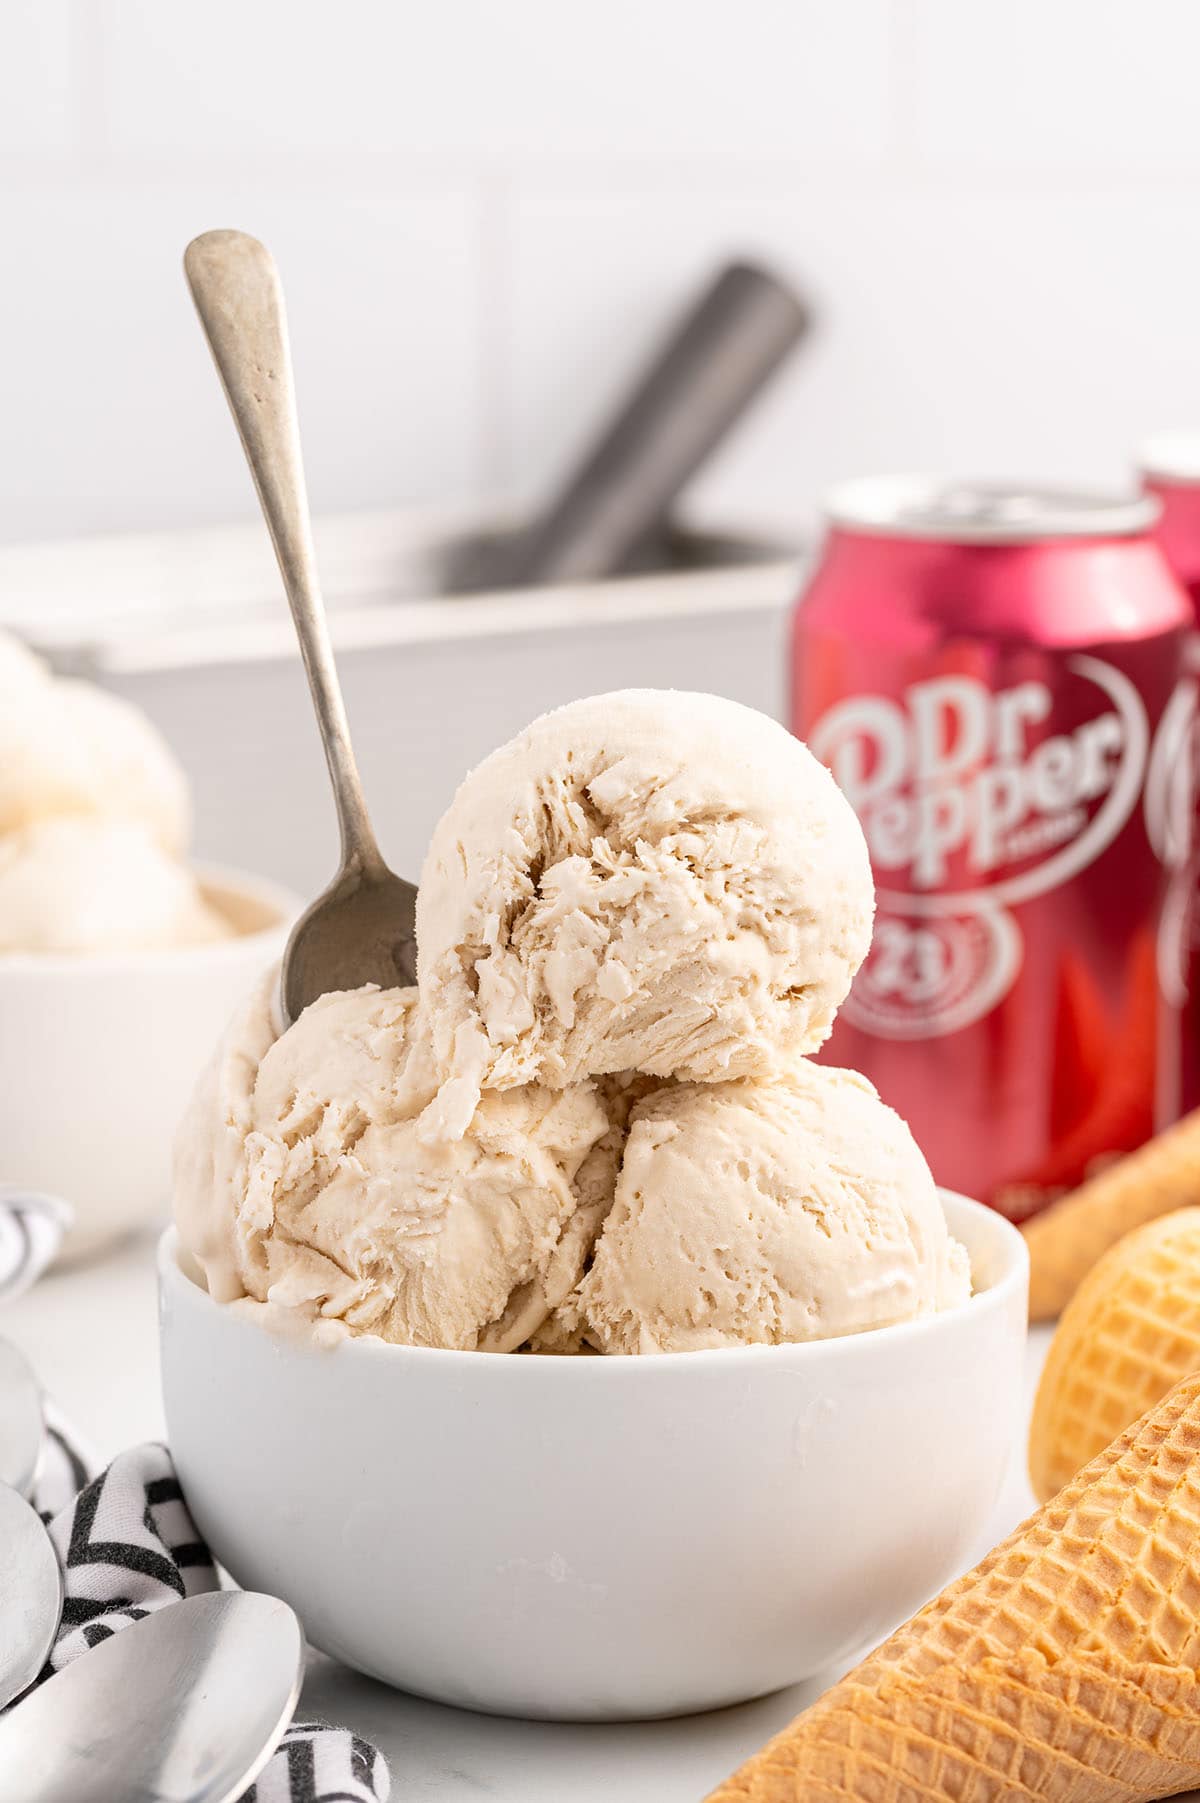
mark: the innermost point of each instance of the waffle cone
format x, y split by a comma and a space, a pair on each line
1065, 1667
1068, 1237
1131, 1330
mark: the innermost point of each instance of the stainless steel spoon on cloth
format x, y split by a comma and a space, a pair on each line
184, 1706
362, 929
31, 1595
22, 1423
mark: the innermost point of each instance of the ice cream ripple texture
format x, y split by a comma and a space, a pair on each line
94, 820
593, 1126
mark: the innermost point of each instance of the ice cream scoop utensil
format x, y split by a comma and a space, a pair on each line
188, 1704
31, 1595
362, 928
22, 1425
716, 359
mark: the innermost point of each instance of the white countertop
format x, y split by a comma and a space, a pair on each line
91, 1335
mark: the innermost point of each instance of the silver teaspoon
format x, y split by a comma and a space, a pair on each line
362, 929
22, 1423
31, 1595
184, 1706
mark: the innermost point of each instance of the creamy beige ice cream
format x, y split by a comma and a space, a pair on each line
20, 668
795, 1208
71, 748
94, 819
301, 1180
592, 1126
74, 883
645, 880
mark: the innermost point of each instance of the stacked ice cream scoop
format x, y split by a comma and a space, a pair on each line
93, 822
594, 1124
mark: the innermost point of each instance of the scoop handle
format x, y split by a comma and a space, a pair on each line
714, 361
239, 298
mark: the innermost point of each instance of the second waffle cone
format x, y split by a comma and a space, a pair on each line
1131, 1330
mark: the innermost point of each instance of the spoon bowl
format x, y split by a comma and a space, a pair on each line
31, 1595
361, 929
22, 1423
184, 1706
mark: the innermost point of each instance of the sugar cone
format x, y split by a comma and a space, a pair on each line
1068, 1237
1064, 1667
1131, 1330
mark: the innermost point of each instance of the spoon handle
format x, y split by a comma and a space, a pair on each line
239, 298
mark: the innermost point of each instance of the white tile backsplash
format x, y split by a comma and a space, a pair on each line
472, 77
36, 86
1043, 86
1015, 332
113, 416
486, 213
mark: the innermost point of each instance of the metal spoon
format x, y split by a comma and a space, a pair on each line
22, 1424
362, 929
31, 1595
184, 1706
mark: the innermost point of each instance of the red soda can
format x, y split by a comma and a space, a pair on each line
1170, 471
1170, 467
984, 669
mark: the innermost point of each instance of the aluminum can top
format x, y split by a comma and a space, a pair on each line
1171, 457
985, 513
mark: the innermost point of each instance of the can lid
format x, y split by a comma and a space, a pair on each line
985, 513
1171, 457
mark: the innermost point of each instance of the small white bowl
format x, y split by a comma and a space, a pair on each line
99, 1053
597, 1539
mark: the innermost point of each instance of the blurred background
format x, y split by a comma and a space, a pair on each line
484, 212
486, 217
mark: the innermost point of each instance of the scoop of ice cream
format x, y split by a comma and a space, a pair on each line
79, 883
301, 1179
68, 748
651, 880
93, 812
20, 668
790, 1209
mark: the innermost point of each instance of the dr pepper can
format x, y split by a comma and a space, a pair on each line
985, 668
1170, 467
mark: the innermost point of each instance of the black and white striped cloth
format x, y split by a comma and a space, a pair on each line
319, 1764
31, 1231
127, 1546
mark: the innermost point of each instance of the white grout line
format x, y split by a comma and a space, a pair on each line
92, 166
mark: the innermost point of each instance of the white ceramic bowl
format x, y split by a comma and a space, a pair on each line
591, 1538
98, 1055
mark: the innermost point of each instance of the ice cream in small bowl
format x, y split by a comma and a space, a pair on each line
555, 1335
119, 961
